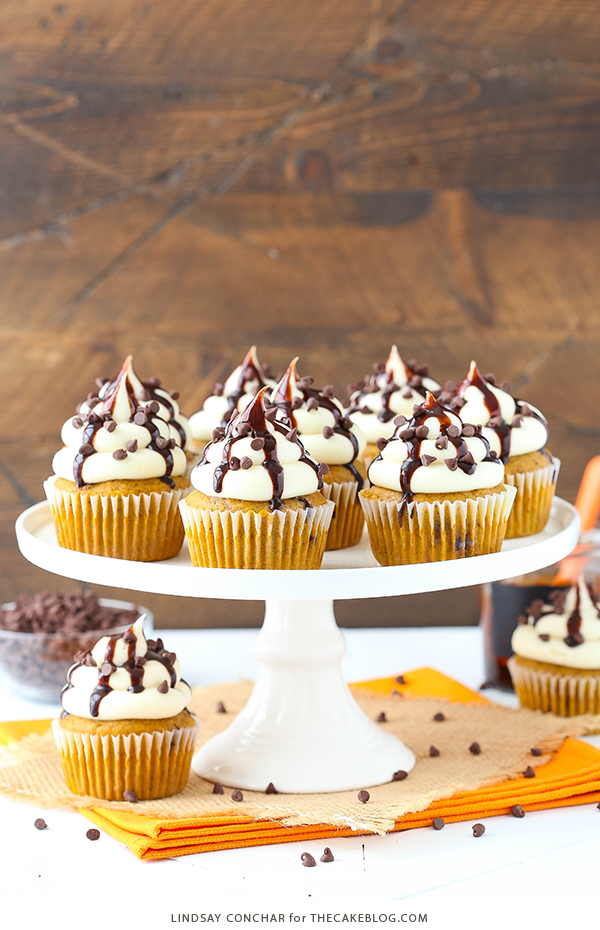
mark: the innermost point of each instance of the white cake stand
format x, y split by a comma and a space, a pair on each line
301, 728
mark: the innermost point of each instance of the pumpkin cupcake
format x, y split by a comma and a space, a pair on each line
392, 390
257, 501
437, 491
125, 733
330, 437
556, 665
518, 433
119, 478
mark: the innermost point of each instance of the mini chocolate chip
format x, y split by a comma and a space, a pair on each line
93, 834
130, 796
327, 432
327, 855
575, 639
271, 789
517, 422
400, 420
445, 397
491, 377
467, 459
119, 455
258, 443
475, 748
244, 430
218, 788
312, 403
441, 442
495, 421
322, 470
506, 386
129, 637
363, 796
218, 433
161, 442
517, 811
153, 382
170, 657
544, 637
439, 717
40, 824
89, 661
536, 751
110, 426
106, 670
140, 660
163, 687
77, 422
146, 394
418, 409
220, 708
427, 460
86, 449
308, 860
468, 429
521, 620
131, 445
234, 463
174, 395
292, 436
365, 410
451, 386
457, 403
328, 391
237, 795
438, 823
485, 685
153, 406
407, 434
407, 394
141, 418
297, 402
529, 772
400, 775
400, 680
381, 443
493, 454
246, 462
433, 751
422, 432
452, 464
381, 718
478, 829
453, 432
218, 388
271, 414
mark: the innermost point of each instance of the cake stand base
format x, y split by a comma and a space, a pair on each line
301, 729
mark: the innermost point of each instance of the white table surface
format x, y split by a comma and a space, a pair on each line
543, 867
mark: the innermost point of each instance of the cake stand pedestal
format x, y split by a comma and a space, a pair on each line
301, 728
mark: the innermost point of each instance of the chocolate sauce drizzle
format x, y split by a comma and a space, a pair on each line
283, 398
382, 380
251, 423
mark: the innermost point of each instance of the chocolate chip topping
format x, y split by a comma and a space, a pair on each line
131, 445
427, 460
163, 687
40, 824
478, 829
328, 432
438, 823
517, 811
308, 860
363, 796
93, 834
327, 855
381, 443
544, 637
119, 455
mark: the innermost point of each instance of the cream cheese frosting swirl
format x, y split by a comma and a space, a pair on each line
257, 458
435, 453
327, 435
233, 396
116, 438
564, 632
511, 426
393, 389
126, 677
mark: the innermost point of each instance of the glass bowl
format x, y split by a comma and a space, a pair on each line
35, 665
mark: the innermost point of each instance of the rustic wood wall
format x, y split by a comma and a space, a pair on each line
180, 179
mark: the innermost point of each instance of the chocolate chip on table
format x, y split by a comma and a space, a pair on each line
40, 824
363, 796
308, 860
517, 811
438, 823
400, 775
475, 749
485, 685
218, 788
529, 772
93, 834
536, 751
478, 829
434, 751
237, 795
381, 718
220, 708
439, 717
327, 855
130, 796
400, 680
271, 789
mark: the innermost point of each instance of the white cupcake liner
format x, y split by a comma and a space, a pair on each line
348, 520
431, 531
555, 691
142, 527
245, 539
535, 491
152, 764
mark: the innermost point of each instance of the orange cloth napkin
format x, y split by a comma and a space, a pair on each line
572, 777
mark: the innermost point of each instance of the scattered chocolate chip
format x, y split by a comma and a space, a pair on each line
544, 637
110, 426
450, 386
407, 395
445, 397
220, 708
297, 402
468, 429
491, 377
327, 855
40, 824
452, 464
506, 386
418, 409
467, 459
161, 442
517, 811
146, 394
327, 432
422, 432
478, 829
234, 463
292, 436
381, 718
457, 403
438, 823
308, 860
93, 834
244, 429
89, 661
86, 449
363, 796
312, 403
441, 442
475, 749
258, 443
153, 382
174, 395
246, 462
381, 443
129, 637
163, 687
153, 406
407, 434
170, 657
365, 410
439, 717
399, 420
427, 460
218, 388
271, 414
237, 795
130, 796
521, 620
218, 788
575, 639
400, 680
119, 455
77, 422
271, 789
106, 670
131, 445
322, 470
517, 422
400, 775
536, 751
453, 432
493, 454
433, 751
140, 660
529, 772
485, 685
218, 434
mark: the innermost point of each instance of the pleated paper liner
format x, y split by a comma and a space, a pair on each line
535, 493
563, 691
248, 539
429, 531
142, 527
347, 523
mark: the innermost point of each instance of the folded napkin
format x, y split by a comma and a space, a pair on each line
571, 776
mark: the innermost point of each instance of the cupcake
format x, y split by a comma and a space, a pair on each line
119, 478
392, 390
257, 501
330, 437
234, 395
556, 665
518, 433
437, 490
125, 732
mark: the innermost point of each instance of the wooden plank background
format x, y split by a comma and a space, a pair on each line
182, 179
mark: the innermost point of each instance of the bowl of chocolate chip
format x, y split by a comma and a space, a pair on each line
41, 633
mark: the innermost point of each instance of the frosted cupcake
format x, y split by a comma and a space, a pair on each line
392, 390
518, 433
233, 396
257, 501
119, 478
437, 491
125, 732
556, 665
330, 437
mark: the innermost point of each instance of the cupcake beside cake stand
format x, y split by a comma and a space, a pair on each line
301, 728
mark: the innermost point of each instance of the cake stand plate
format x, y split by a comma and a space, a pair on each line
301, 728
